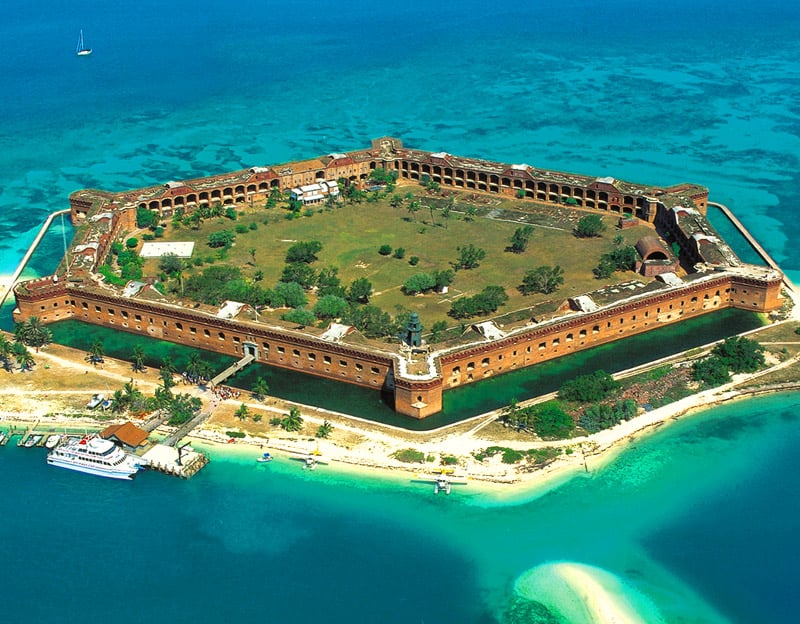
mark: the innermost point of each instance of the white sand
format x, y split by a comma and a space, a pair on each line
584, 594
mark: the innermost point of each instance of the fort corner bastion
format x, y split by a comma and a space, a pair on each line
416, 378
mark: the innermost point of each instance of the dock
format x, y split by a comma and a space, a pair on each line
181, 461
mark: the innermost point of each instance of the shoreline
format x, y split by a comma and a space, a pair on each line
360, 449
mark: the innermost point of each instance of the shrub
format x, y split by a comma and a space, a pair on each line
253, 226
147, 236
399, 253
131, 243
413, 260
590, 226
235, 434
158, 232
241, 228
410, 456
385, 250
588, 388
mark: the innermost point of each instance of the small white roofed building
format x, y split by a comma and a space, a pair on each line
315, 193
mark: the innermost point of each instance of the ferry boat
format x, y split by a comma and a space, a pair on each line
94, 455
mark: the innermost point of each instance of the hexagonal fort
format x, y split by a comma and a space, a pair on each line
415, 375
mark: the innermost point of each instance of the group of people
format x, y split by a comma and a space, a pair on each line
223, 392
189, 379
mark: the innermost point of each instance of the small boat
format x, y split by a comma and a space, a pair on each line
106, 404
33, 440
2, 437
266, 457
52, 441
81, 49
96, 400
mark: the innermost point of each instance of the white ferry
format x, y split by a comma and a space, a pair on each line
96, 456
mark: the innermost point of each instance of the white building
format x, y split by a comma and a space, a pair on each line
315, 193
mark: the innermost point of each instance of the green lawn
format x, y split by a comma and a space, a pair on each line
352, 234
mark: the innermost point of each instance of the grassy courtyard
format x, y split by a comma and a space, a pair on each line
351, 235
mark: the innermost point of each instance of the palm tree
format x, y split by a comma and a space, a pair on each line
324, 430
96, 352
252, 251
260, 388
23, 356
293, 420
5, 351
242, 413
138, 359
32, 333
193, 366
413, 207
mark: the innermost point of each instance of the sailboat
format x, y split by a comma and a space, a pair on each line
81, 49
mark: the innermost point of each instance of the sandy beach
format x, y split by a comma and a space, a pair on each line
55, 393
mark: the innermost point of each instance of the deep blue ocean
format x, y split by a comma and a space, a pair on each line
697, 522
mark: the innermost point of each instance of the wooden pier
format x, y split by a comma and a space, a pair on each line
175, 461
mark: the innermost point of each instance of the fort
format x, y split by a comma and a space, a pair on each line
413, 377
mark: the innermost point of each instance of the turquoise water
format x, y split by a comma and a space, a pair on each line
243, 540
700, 90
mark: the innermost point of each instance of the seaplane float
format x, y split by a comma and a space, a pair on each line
442, 480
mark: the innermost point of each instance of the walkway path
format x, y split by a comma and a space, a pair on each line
7, 285
232, 369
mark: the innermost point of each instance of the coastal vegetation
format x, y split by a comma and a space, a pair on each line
736, 354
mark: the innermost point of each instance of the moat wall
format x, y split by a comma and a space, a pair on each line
413, 396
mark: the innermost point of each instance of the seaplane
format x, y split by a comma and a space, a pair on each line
310, 460
442, 480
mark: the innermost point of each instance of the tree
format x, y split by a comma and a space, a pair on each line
486, 301
419, 283
740, 354
170, 264
23, 357
588, 388
436, 330
329, 307
371, 321
260, 388
138, 359
288, 295
242, 412
223, 238
324, 430
6, 350
590, 226
32, 333
300, 316
385, 250
300, 273
469, 257
543, 279
146, 218
96, 352
447, 209
413, 208
443, 278
252, 251
359, 291
520, 238
304, 251
550, 421
182, 408
293, 421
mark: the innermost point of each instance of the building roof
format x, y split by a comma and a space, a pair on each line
127, 433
